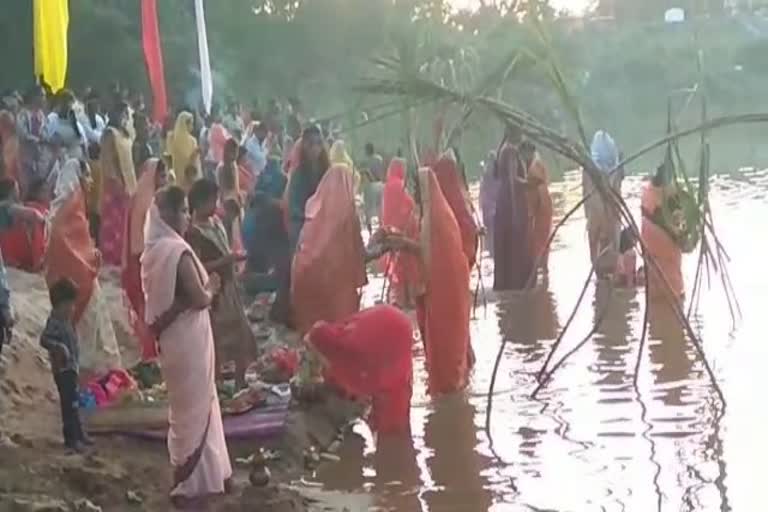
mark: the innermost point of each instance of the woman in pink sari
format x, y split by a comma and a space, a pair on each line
153, 177
398, 215
329, 263
179, 293
119, 184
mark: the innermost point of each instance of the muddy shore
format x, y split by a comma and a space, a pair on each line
38, 474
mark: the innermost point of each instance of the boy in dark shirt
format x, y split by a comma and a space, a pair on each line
60, 340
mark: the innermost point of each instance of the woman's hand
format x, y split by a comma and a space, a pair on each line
213, 286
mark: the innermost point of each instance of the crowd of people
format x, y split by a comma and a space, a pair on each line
206, 208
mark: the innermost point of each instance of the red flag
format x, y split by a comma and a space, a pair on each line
153, 55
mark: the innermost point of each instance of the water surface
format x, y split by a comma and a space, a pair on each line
591, 441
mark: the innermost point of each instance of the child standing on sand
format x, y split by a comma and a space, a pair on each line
60, 340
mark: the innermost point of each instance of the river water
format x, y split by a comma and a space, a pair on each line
590, 441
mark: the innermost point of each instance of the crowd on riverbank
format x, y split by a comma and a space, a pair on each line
205, 210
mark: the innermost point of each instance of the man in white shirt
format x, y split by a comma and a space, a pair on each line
258, 148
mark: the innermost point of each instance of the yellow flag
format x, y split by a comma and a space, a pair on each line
51, 25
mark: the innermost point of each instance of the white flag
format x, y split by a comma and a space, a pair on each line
205, 60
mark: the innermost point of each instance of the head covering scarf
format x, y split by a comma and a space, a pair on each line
443, 312
512, 225
182, 147
139, 207
540, 203
447, 174
329, 264
398, 214
605, 153
272, 180
338, 154
369, 355
163, 247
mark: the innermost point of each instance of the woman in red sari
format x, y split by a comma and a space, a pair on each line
153, 177
455, 192
443, 306
398, 215
368, 355
23, 244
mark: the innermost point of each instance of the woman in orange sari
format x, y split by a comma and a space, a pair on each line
329, 262
398, 215
539, 204
119, 184
455, 192
72, 254
153, 177
443, 306
660, 242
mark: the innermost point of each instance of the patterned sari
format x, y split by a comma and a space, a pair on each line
119, 184
232, 334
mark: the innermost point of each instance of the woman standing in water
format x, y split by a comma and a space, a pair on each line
153, 178
455, 192
489, 191
329, 261
511, 227
603, 226
119, 182
540, 204
661, 242
185, 153
442, 306
398, 215
232, 335
179, 292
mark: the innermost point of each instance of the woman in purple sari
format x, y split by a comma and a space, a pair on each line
511, 225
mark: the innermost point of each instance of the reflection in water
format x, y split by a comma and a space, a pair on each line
454, 463
671, 354
593, 442
397, 470
611, 338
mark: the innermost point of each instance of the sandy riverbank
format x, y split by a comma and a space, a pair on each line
37, 474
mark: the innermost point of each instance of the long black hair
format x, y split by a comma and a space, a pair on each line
202, 191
